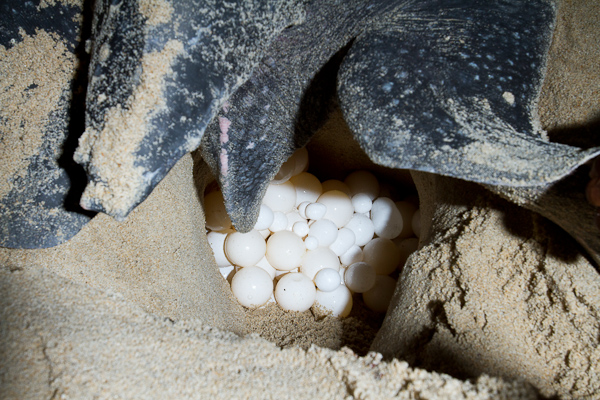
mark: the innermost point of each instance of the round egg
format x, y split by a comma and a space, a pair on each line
337, 303
295, 292
334, 184
353, 255
324, 231
265, 218
386, 218
285, 250
216, 241
308, 187
345, 239
252, 286
363, 229
339, 207
383, 255
245, 249
327, 279
280, 197
360, 277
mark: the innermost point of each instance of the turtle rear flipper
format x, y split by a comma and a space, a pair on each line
41, 115
451, 88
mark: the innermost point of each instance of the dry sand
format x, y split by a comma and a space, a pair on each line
138, 309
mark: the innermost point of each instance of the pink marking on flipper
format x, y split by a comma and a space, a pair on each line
224, 125
224, 162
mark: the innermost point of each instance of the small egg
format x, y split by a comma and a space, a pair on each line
353, 255
280, 197
308, 187
383, 255
302, 208
300, 158
252, 286
215, 213
245, 249
339, 207
295, 292
360, 277
265, 218
379, 296
363, 228
318, 259
345, 239
311, 243
334, 184
292, 218
416, 223
362, 203
300, 228
280, 222
328, 279
324, 231
285, 250
386, 218
407, 210
216, 241
315, 211
363, 182
337, 303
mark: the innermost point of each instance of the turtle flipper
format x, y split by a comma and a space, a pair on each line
451, 87
40, 118
158, 75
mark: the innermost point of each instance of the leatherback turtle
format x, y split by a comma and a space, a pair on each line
443, 86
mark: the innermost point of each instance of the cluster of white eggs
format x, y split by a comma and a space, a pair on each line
315, 243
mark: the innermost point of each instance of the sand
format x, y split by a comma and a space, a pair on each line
138, 309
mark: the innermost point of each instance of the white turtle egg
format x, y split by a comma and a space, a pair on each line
353, 255
315, 211
324, 231
308, 187
252, 286
300, 228
280, 222
264, 264
339, 207
407, 210
318, 259
362, 203
245, 249
386, 218
311, 243
334, 184
416, 223
337, 303
302, 208
360, 277
280, 197
383, 255
285, 250
216, 241
379, 296
363, 182
345, 239
265, 218
363, 228
300, 158
214, 210
327, 279
295, 292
